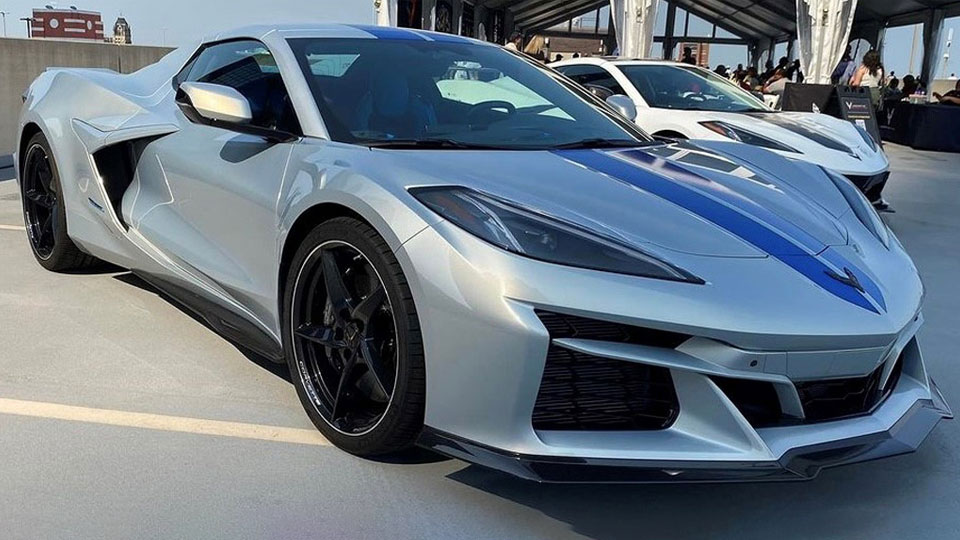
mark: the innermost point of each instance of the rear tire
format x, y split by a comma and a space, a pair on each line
355, 354
44, 212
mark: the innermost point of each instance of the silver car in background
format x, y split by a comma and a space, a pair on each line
452, 246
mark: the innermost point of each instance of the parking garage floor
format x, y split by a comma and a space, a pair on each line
123, 417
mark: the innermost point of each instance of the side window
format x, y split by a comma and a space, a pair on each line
595, 75
248, 67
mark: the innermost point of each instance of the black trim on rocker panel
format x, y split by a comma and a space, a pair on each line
117, 165
224, 322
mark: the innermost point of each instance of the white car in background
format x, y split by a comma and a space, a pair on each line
681, 101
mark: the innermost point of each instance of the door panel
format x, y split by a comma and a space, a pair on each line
221, 218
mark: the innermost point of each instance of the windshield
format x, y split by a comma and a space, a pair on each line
387, 92
668, 86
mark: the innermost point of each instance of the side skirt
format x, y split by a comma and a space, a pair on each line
224, 322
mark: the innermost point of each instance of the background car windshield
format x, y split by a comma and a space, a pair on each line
374, 91
683, 87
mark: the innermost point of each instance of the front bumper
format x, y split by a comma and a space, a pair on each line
800, 463
487, 353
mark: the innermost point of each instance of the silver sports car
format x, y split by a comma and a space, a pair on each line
452, 246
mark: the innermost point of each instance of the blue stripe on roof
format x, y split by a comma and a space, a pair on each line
447, 38
389, 32
735, 220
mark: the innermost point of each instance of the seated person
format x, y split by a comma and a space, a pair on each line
950, 98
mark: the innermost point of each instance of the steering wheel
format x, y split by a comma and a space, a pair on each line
695, 96
484, 109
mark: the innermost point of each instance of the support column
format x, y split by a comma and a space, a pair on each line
634, 21
669, 44
428, 12
932, 34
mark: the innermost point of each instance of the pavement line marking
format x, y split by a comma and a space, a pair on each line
160, 422
12, 228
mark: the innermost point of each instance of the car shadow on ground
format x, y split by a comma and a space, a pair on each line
412, 456
280, 370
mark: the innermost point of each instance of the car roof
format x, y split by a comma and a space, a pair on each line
605, 60
340, 31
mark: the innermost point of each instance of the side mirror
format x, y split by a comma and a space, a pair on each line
623, 105
223, 107
215, 102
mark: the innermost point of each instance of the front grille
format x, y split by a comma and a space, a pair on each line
584, 392
822, 401
871, 185
841, 398
757, 401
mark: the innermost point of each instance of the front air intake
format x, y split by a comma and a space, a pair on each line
589, 393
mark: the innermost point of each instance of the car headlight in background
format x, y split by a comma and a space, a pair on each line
746, 137
867, 137
864, 211
541, 237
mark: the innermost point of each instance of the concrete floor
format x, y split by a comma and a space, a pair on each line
101, 342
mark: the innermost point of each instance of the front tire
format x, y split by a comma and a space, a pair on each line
44, 211
352, 339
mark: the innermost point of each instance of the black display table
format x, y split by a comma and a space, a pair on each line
924, 127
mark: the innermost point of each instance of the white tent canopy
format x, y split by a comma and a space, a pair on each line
823, 30
386, 11
634, 21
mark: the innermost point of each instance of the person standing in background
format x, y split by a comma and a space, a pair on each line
870, 72
688, 57
844, 71
515, 43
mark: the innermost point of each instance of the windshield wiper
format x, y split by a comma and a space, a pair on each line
600, 143
427, 144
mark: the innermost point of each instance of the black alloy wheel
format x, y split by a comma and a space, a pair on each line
40, 201
44, 210
353, 343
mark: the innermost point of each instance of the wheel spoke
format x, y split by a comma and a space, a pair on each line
46, 228
374, 363
369, 305
347, 380
336, 289
40, 199
321, 335
45, 175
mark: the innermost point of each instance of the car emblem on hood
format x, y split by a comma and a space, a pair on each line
848, 279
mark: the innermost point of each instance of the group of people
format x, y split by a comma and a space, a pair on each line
772, 80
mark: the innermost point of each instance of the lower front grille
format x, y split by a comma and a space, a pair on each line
841, 398
871, 185
584, 392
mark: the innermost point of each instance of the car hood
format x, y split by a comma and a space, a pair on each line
711, 199
810, 133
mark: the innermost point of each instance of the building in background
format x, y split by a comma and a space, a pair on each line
701, 51
66, 23
121, 32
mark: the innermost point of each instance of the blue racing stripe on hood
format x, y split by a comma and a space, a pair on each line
744, 221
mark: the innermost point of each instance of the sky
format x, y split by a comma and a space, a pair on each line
179, 22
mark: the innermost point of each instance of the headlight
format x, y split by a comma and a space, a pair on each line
867, 137
744, 136
540, 237
864, 211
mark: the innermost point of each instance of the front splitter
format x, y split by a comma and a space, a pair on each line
801, 463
